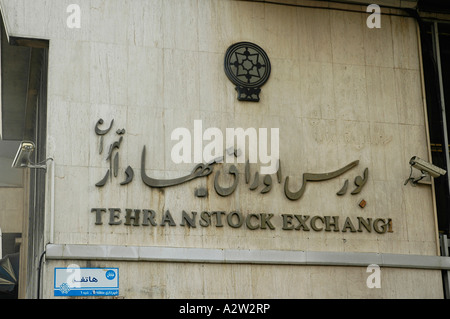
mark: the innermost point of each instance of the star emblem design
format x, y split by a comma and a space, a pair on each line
247, 65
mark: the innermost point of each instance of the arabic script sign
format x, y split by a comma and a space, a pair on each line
205, 169
75, 281
235, 219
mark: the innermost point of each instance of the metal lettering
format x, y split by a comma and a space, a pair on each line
190, 221
129, 217
249, 224
239, 217
313, 222
201, 170
302, 220
287, 221
384, 226
334, 224
348, 224
205, 219
268, 182
103, 180
309, 177
218, 218
98, 215
204, 170
265, 221
253, 221
130, 174
222, 191
343, 190
113, 216
149, 217
360, 182
390, 226
255, 183
366, 223
100, 132
167, 218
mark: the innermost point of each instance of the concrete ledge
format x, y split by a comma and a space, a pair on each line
237, 256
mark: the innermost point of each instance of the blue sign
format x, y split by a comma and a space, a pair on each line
75, 281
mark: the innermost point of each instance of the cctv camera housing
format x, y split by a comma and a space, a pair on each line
426, 167
22, 158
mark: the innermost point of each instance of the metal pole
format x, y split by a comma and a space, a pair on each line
445, 273
442, 99
38, 295
445, 149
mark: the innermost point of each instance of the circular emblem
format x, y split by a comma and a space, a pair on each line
247, 65
110, 275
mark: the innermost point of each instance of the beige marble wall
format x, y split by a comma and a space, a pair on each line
338, 92
11, 210
197, 281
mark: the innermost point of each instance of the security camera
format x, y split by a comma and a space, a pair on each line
22, 158
426, 167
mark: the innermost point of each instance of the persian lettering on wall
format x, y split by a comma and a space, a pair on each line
234, 219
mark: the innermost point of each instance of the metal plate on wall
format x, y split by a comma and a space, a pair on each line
248, 67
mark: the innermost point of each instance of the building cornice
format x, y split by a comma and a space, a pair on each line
243, 256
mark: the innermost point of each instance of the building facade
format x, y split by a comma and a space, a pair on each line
137, 110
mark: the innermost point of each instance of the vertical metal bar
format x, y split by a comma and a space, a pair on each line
445, 245
445, 273
427, 126
442, 98
445, 149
